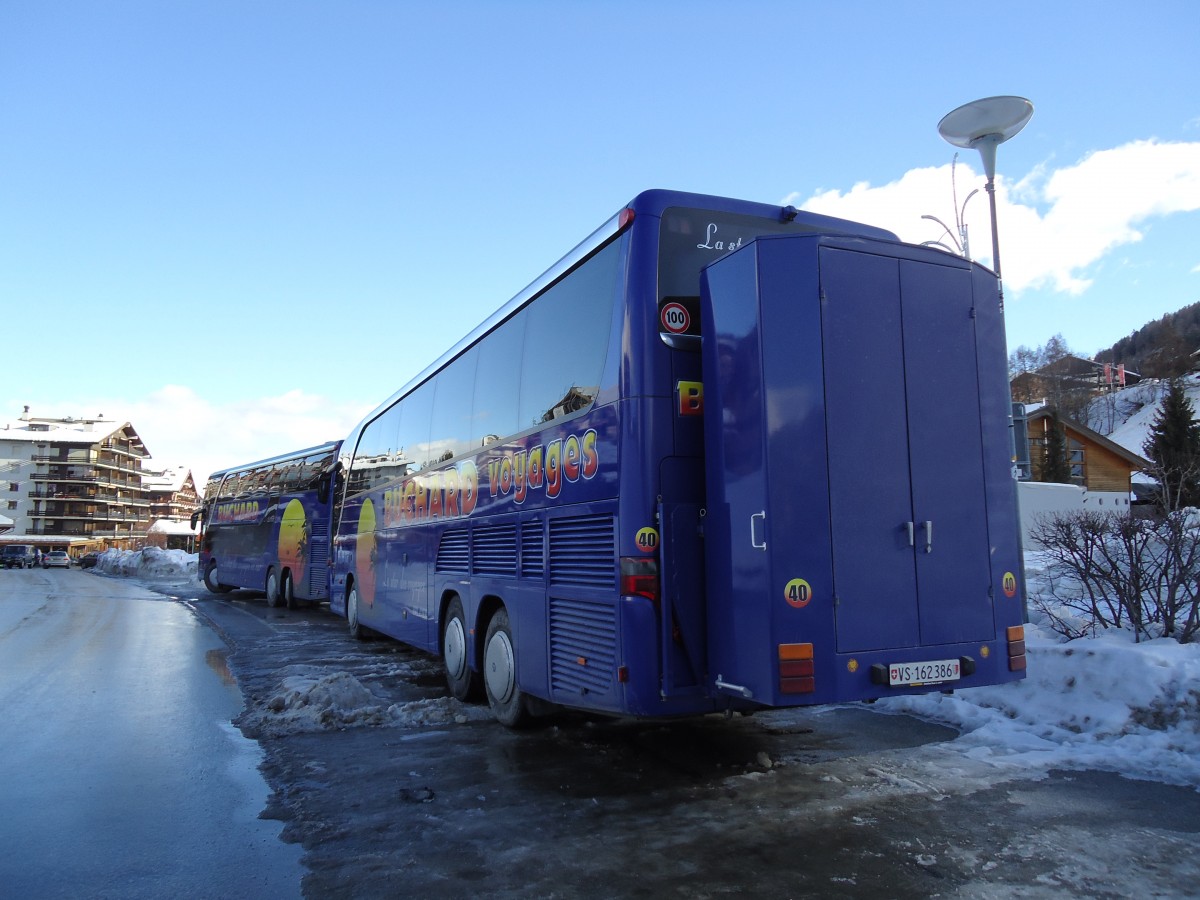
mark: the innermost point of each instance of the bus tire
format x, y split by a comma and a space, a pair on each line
272, 588
289, 591
461, 679
500, 673
210, 580
356, 629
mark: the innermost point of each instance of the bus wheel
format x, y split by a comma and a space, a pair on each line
460, 678
289, 591
356, 630
500, 673
210, 581
272, 588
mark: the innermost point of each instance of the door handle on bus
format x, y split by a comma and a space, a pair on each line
928, 526
754, 542
911, 527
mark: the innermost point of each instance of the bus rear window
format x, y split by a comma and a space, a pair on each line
690, 239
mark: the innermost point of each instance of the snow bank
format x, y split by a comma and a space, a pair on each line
311, 698
1103, 703
150, 562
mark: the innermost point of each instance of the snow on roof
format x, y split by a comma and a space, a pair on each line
171, 526
61, 431
172, 478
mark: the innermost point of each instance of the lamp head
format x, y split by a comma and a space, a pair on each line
986, 124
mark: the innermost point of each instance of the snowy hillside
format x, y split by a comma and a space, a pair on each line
1125, 416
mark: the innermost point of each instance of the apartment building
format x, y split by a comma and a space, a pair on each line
73, 484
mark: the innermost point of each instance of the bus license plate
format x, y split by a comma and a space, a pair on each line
930, 672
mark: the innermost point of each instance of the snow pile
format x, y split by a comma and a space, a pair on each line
1102, 703
437, 711
311, 698
149, 562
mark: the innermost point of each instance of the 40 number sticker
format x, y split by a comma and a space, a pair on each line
798, 593
647, 540
675, 318
1009, 584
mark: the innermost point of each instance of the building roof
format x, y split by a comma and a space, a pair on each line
172, 478
170, 526
66, 431
1135, 461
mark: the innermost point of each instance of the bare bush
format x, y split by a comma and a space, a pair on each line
1117, 571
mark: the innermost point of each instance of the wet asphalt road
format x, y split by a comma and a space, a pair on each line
122, 775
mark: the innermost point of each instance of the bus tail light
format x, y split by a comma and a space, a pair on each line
1016, 648
796, 669
639, 578
625, 217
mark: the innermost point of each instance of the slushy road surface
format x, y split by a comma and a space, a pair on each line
121, 773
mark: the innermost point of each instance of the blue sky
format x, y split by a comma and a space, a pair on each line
242, 225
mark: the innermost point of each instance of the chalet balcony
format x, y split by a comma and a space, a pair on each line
87, 515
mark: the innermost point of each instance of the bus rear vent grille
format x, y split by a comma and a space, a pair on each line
583, 640
454, 551
495, 550
533, 550
318, 559
583, 552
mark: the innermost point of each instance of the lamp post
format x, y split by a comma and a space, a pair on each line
984, 125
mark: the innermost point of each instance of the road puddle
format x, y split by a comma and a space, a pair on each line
218, 661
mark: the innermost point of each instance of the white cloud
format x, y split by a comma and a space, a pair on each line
179, 427
1054, 223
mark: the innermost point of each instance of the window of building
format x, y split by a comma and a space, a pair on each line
1075, 456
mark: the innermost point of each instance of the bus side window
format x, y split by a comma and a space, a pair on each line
494, 415
566, 341
412, 439
450, 435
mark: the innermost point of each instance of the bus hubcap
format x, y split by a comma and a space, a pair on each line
455, 650
499, 669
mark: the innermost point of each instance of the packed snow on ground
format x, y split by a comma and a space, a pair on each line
312, 698
1103, 703
150, 562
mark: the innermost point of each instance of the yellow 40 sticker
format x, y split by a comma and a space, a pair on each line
647, 540
798, 593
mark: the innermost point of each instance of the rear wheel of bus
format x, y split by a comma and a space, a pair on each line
500, 673
463, 681
288, 591
272, 588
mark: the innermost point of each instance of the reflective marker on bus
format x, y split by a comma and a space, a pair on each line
711, 434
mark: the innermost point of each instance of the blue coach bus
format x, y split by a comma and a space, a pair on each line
724, 455
267, 526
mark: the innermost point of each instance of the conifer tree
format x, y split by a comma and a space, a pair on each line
1056, 467
1174, 448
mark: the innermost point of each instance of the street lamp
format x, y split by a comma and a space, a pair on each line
984, 125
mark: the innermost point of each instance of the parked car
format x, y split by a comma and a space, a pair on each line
88, 560
17, 556
56, 559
